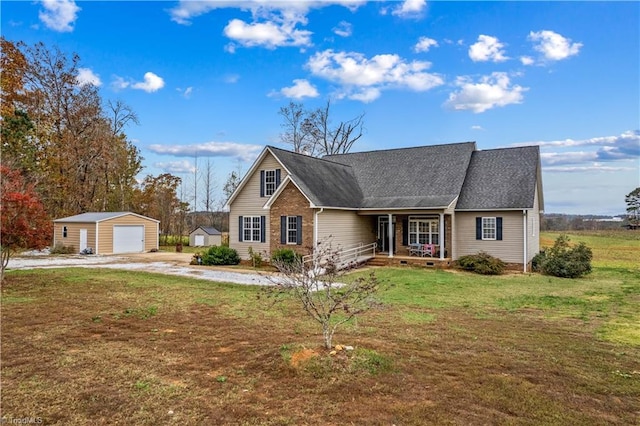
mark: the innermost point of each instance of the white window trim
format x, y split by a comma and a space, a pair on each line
292, 226
251, 229
434, 229
489, 224
269, 187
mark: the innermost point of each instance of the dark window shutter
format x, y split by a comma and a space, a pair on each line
498, 228
277, 178
262, 183
240, 228
299, 229
283, 230
263, 231
405, 232
478, 228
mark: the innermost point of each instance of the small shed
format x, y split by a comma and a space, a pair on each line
205, 236
107, 232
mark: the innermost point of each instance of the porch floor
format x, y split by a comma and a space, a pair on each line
383, 259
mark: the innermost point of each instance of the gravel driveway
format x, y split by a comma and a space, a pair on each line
160, 262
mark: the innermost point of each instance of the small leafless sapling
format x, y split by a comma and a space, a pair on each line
326, 294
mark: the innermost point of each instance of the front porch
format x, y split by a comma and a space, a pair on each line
383, 259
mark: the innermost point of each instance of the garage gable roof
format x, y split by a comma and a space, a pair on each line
95, 217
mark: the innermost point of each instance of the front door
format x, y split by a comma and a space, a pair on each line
383, 234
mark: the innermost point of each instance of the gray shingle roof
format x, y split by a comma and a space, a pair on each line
421, 177
501, 179
326, 183
210, 230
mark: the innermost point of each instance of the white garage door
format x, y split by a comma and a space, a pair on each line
128, 239
199, 240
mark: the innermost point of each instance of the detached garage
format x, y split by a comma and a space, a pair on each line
107, 233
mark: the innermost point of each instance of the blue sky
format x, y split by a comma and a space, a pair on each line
210, 76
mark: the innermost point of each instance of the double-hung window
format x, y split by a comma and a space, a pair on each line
269, 182
64, 232
292, 230
423, 231
251, 228
488, 228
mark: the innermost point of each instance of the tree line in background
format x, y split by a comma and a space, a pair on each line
67, 147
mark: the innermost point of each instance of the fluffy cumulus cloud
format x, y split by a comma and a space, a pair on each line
301, 89
176, 167
363, 78
495, 90
59, 15
273, 24
487, 48
152, 83
232, 150
424, 44
410, 8
552, 46
86, 76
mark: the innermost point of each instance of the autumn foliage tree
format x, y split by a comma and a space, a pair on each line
24, 222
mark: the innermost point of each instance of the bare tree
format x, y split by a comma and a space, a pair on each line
323, 291
311, 132
208, 180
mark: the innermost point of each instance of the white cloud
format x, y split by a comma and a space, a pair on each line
491, 91
527, 60
174, 167
410, 8
152, 83
186, 93
239, 151
343, 29
301, 89
267, 34
119, 83
363, 79
487, 48
87, 76
476, 127
231, 78
625, 146
552, 46
424, 44
59, 15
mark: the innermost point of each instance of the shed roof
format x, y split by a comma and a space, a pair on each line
208, 229
95, 217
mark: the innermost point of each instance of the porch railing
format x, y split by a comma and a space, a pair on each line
345, 258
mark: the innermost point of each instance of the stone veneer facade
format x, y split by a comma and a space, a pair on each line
291, 202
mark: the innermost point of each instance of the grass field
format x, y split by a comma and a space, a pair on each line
113, 347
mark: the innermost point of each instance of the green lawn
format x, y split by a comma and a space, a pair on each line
86, 346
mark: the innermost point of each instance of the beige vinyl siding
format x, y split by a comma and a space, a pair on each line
73, 234
509, 249
105, 232
533, 229
209, 240
249, 203
345, 228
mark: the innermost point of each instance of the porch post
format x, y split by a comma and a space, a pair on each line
390, 236
442, 236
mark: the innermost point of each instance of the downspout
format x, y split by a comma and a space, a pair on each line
315, 228
524, 239
442, 236
97, 232
390, 236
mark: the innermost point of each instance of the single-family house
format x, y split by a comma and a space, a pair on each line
107, 232
457, 198
205, 236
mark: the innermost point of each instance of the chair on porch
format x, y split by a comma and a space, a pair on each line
414, 249
427, 250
